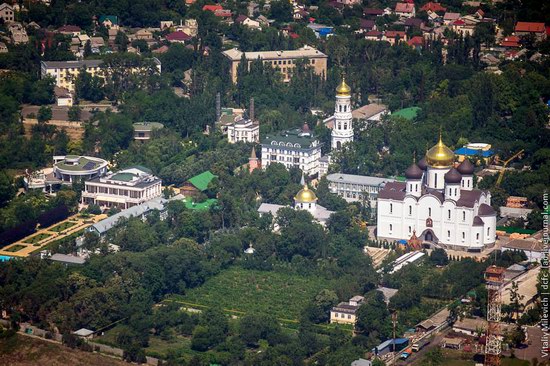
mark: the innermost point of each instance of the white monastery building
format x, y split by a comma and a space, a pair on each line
123, 189
244, 130
438, 202
293, 148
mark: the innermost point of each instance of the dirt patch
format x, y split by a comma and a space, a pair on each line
26, 351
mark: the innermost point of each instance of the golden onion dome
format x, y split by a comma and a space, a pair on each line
343, 89
305, 195
440, 156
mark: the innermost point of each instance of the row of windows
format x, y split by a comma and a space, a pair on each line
342, 108
430, 212
343, 316
340, 126
448, 233
356, 187
289, 144
285, 62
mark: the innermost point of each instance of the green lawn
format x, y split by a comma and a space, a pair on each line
280, 294
63, 226
15, 248
37, 238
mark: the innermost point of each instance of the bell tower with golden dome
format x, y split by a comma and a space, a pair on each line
439, 160
342, 130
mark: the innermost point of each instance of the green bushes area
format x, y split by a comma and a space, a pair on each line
37, 238
63, 226
15, 248
282, 295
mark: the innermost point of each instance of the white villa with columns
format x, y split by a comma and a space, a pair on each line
438, 203
123, 189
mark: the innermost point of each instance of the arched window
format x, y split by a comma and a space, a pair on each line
448, 233
345, 108
391, 227
435, 180
463, 235
345, 125
477, 236
468, 183
463, 215
409, 229
340, 108
310, 205
429, 211
410, 210
416, 188
339, 125
391, 207
456, 191
449, 214
462, 182
488, 231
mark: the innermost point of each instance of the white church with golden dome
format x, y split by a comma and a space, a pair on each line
342, 130
438, 204
306, 200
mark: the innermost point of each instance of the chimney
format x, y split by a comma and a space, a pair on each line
218, 106
251, 109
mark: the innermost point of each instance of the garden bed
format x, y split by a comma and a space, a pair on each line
37, 238
63, 226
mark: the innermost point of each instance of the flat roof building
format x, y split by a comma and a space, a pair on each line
344, 312
284, 61
144, 130
72, 168
357, 188
123, 189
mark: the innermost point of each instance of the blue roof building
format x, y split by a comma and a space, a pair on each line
386, 347
473, 152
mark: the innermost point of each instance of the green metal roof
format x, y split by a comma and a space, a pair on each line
112, 18
123, 177
202, 180
293, 137
407, 113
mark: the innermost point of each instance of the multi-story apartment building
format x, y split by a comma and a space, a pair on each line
357, 188
65, 72
345, 312
123, 189
293, 148
284, 61
6, 13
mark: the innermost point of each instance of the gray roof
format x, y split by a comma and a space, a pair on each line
72, 64
468, 198
358, 179
83, 332
361, 362
139, 210
269, 207
524, 244
486, 210
345, 307
478, 221
516, 268
65, 258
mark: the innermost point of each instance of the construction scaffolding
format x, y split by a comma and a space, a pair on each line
494, 277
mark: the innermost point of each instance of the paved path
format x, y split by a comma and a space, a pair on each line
28, 248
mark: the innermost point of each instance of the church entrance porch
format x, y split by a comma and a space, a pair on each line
428, 238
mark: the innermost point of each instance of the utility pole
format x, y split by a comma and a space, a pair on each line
394, 322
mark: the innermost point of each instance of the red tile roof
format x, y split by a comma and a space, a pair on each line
371, 11
293, 35
393, 34
404, 8
373, 33
416, 41
459, 22
431, 6
69, 28
178, 37
510, 41
530, 27
212, 8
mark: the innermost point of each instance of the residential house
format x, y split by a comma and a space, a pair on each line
69, 30
414, 23
405, 10
178, 37
349, 2
449, 18
190, 26
320, 30
63, 97
109, 21
18, 33
264, 22
371, 12
345, 312
83, 39
374, 35
366, 25
143, 34
434, 7
394, 37
247, 22
6, 13
218, 11
3, 48
460, 26
538, 30
97, 42
416, 42
197, 184
166, 24
511, 42
300, 14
